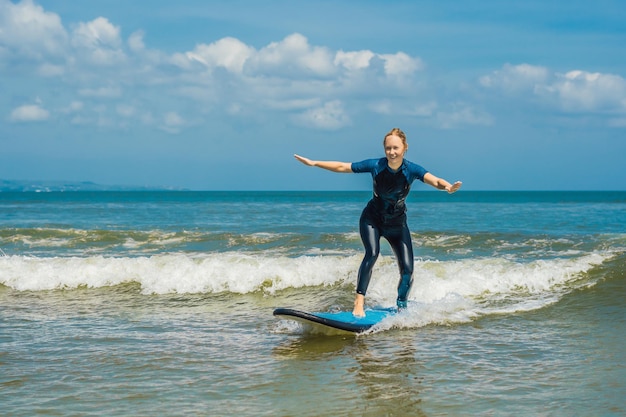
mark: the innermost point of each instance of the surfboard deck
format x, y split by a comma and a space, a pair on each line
342, 320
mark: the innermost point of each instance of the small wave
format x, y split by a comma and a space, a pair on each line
80, 242
485, 281
234, 272
53, 242
460, 291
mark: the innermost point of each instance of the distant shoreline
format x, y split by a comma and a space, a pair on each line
71, 186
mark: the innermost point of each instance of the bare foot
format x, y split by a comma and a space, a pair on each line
359, 303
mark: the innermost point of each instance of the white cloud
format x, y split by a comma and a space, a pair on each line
101, 92
400, 64
29, 31
394, 65
588, 92
51, 70
172, 122
330, 116
95, 63
382, 107
287, 76
125, 110
293, 56
229, 53
29, 113
423, 110
97, 33
100, 41
135, 41
516, 78
74, 107
574, 91
355, 60
463, 114
293, 104
173, 119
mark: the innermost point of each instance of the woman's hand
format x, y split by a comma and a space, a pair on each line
441, 184
305, 161
454, 187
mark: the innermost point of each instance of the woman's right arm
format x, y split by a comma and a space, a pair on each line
334, 166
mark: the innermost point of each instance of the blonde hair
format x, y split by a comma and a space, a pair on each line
399, 133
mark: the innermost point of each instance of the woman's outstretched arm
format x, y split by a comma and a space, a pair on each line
334, 166
441, 184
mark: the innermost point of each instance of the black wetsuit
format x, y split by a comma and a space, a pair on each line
385, 216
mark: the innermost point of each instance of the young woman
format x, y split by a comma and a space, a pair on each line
385, 214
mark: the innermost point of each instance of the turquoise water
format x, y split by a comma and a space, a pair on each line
160, 303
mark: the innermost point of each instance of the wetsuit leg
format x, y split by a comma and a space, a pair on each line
370, 236
399, 238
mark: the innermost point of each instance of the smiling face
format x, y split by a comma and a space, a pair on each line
395, 148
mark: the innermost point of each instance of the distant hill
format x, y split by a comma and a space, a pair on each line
63, 186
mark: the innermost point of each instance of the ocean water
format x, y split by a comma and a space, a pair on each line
160, 303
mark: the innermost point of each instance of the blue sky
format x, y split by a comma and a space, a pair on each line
218, 95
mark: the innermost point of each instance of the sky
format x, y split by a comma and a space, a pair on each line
219, 95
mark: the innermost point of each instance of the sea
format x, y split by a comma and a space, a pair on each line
159, 303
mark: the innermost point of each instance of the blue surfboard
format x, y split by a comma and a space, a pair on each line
342, 320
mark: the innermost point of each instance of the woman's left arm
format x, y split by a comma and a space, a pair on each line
441, 184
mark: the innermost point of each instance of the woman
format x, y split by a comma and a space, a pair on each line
385, 214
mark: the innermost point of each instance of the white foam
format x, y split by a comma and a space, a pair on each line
459, 291
177, 273
443, 292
